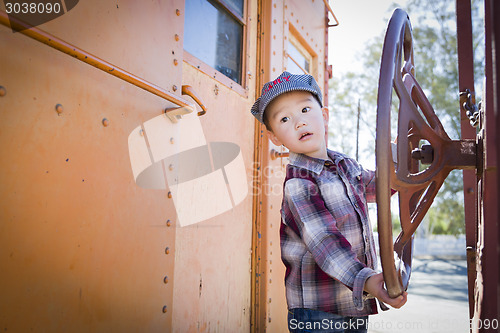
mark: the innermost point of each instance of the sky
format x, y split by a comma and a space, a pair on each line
360, 20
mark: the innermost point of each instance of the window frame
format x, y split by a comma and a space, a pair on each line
203, 67
303, 47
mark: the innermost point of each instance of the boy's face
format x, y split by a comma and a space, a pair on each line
299, 123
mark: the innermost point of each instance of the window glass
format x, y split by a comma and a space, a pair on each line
212, 35
236, 5
297, 62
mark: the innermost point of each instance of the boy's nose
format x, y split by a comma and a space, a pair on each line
300, 123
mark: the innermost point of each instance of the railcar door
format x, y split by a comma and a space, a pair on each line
294, 37
213, 249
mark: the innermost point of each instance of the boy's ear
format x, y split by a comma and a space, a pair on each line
273, 138
326, 117
326, 114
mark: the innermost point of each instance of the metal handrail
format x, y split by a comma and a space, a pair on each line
331, 12
60, 45
276, 154
189, 91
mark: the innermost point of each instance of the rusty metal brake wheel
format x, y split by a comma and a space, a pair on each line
417, 124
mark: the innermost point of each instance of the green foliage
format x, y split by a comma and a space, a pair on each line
436, 64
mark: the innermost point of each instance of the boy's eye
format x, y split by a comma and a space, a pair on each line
306, 109
284, 119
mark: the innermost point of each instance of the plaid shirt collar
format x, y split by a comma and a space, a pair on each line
314, 164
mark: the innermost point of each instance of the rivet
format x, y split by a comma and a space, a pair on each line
164, 309
176, 37
470, 190
269, 299
168, 223
177, 12
171, 167
141, 132
59, 108
167, 250
3, 91
174, 87
105, 122
165, 279
216, 90
270, 280
172, 140
169, 195
176, 62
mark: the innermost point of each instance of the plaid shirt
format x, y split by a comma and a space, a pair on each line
326, 238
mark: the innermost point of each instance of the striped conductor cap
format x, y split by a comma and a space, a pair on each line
284, 83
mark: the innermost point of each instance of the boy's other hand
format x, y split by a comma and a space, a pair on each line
374, 285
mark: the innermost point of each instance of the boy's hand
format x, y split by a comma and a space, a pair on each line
375, 286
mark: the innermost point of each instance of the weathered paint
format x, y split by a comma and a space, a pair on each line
85, 245
484, 294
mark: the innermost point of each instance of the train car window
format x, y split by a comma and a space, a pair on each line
298, 63
213, 33
236, 5
299, 60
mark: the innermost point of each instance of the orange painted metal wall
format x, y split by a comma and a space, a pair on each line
85, 243
82, 246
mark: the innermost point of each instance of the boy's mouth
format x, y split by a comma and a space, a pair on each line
305, 135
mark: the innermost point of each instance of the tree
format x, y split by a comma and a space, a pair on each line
435, 53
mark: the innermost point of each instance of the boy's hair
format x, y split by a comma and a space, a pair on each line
284, 83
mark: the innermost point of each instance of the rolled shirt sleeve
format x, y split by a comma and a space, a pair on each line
359, 285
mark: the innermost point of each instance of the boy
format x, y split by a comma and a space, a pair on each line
326, 238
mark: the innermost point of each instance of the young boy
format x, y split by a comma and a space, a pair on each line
326, 238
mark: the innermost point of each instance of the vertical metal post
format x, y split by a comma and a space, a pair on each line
493, 12
258, 292
466, 81
487, 306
